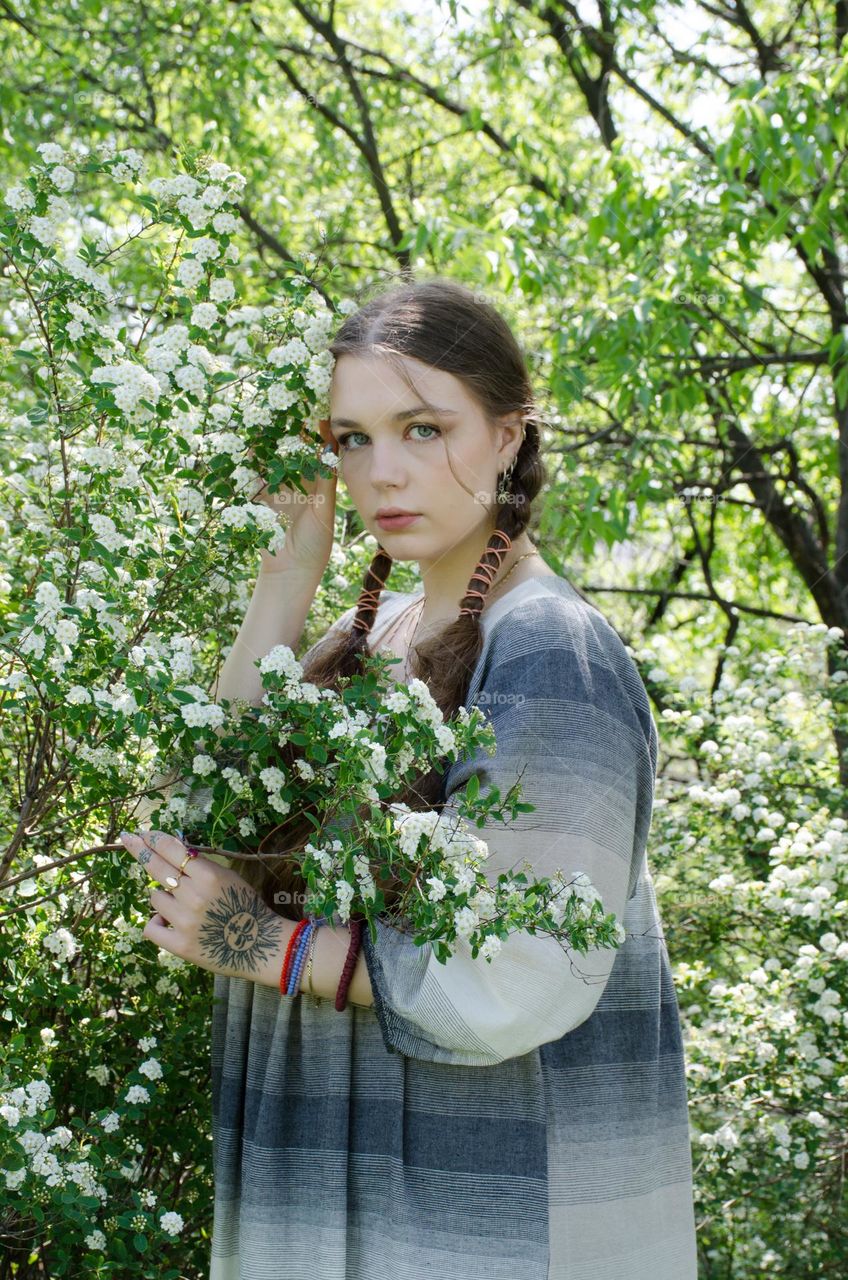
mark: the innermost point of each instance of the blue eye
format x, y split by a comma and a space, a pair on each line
427, 426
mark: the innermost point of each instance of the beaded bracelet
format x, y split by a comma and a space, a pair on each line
300, 942
349, 964
307, 973
298, 958
302, 936
290, 951
306, 946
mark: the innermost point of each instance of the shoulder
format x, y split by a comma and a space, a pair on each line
557, 617
556, 645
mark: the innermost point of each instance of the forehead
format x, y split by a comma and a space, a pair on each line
369, 388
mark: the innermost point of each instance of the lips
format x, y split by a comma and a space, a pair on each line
397, 522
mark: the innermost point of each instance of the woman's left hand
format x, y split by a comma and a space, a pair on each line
207, 913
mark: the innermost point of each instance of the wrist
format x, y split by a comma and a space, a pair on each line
328, 959
271, 564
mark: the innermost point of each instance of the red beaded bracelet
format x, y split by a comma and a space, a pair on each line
290, 951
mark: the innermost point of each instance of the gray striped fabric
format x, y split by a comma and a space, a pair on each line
520, 1118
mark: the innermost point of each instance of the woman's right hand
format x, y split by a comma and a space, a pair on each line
310, 519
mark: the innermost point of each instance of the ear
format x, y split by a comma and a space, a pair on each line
510, 434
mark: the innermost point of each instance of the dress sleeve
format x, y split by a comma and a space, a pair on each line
569, 709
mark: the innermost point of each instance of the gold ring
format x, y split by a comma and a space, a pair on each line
186, 859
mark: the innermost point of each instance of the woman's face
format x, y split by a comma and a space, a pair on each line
393, 456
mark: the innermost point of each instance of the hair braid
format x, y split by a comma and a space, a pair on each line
376, 576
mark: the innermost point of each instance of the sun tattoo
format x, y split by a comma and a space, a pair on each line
240, 931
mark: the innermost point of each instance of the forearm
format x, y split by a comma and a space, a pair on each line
328, 959
277, 614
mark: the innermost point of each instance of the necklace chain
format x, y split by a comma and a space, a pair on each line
492, 591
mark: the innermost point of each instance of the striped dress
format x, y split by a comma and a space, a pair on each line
523, 1119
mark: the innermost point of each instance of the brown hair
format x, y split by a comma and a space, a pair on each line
447, 326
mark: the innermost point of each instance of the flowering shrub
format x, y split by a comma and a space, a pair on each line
146, 408
171, 387
757, 907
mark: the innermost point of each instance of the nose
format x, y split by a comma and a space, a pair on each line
387, 466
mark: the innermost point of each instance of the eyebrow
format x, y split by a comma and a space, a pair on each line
402, 416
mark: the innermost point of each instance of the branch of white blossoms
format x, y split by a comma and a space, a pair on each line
357, 751
148, 399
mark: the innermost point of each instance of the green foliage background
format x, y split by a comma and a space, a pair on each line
655, 194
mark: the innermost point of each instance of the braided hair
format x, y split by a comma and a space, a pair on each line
448, 326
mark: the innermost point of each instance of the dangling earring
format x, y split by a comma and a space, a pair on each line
503, 483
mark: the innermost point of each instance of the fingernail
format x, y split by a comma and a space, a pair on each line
123, 835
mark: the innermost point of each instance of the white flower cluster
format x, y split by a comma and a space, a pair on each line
221, 289
180, 658
282, 662
377, 763
126, 937
83, 320
243, 517
272, 778
28, 1101
347, 723
293, 447
129, 383
47, 227
129, 165
190, 501
201, 199
100, 458
171, 1223
579, 886
291, 355
40, 1147
62, 177
448, 834
80, 270
205, 715
204, 315
165, 348
62, 943
19, 198
108, 536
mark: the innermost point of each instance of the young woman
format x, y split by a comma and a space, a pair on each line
520, 1118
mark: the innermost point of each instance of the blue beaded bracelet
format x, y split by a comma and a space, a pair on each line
301, 953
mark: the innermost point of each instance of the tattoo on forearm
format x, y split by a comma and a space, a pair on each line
240, 932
